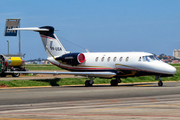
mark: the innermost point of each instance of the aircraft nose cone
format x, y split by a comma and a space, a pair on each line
171, 69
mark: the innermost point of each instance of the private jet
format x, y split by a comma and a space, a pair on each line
111, 65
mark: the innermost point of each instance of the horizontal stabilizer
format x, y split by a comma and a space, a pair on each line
30, 29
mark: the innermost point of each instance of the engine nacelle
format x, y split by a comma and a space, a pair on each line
72, 58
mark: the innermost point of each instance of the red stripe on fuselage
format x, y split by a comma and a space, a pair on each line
72, 68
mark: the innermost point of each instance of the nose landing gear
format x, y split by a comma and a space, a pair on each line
160, 83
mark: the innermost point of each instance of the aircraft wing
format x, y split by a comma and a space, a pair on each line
92, 74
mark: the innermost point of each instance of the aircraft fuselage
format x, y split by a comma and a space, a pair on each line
124, 64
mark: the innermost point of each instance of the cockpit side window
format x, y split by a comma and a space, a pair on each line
152, 57
156, 58
148, 58
145, 58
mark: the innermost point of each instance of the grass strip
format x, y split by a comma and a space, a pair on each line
80, 81
77, 81
42, 67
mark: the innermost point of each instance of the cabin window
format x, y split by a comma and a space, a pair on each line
127, 59
120, 59
114, 59
96, 59
139, 58
108, 59
102, 59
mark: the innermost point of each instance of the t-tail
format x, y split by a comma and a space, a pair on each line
52, 45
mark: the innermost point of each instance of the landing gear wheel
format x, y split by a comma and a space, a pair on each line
15, 74
114, 83
160, 83
87, 83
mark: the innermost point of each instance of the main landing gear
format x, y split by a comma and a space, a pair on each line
115, 82
160, 83
89, 83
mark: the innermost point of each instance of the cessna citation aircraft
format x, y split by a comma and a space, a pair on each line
100, 64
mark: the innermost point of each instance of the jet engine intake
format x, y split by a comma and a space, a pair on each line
73, 59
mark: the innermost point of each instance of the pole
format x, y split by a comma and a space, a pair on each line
8, 46
19, 40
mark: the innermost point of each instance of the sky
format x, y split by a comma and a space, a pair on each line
97, 25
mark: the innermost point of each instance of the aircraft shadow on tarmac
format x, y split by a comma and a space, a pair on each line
126, 85
123, 85
54, 82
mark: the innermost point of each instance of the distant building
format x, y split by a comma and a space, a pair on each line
37, 62
176, 53
175, 61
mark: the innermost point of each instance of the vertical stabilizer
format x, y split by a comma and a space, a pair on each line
52, 45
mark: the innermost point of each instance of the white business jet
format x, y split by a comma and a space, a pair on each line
100, 64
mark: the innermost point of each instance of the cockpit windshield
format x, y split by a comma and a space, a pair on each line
153, 57
148, 58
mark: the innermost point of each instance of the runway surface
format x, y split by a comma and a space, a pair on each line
101, 102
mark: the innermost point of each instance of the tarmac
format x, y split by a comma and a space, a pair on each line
142, 101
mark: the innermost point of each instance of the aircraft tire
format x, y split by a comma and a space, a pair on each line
87, 83
160, 83
15, 74
114, 83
